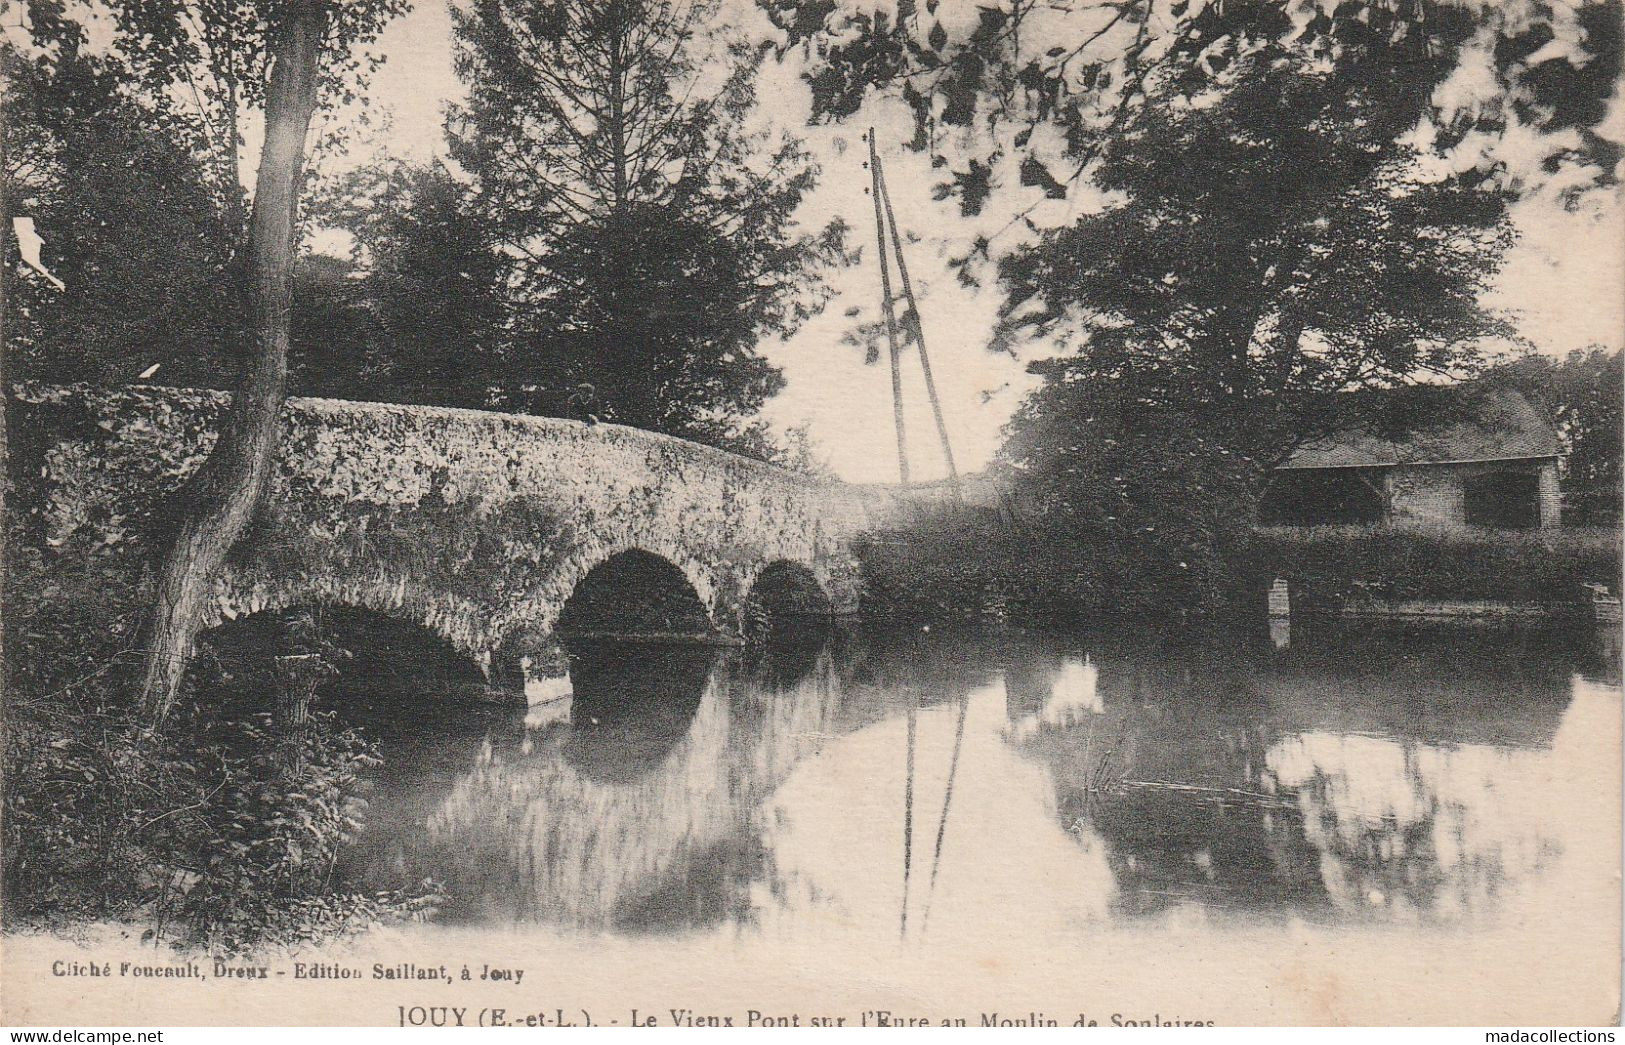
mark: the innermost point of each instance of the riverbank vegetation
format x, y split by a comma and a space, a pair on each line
951, 565
1328, 564
971, 567
217, 828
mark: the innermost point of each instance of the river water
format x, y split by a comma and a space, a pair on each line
932, 791
1359, 827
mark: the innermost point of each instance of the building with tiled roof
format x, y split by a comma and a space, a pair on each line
1496, 467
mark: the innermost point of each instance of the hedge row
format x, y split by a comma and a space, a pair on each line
1532, 566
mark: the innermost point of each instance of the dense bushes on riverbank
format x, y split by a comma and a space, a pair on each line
975, 564
1521, 566
956, 565
970, 565
210, 828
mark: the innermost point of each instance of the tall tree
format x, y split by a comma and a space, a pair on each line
420, 316
648, 226
1040, 112
1275, 238
1276, 234
226, 490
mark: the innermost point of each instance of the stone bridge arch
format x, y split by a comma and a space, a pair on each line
243, 593
785, 593
378, 649
636, 591
479, 526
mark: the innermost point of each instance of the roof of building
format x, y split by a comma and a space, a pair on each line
1504, 427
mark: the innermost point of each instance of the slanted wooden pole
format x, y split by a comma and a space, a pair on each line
891, 316
947, 800
914, 327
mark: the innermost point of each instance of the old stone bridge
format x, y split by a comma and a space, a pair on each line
489, 529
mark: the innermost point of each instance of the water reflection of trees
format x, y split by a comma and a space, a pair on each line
640, 808
1162, 761
787, 655
642, 819
1417, 831
1379, 779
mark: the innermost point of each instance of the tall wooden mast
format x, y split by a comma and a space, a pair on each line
912, 328
886, 308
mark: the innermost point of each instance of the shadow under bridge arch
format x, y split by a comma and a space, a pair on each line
374, 669
786, 598
638, 641
637, 596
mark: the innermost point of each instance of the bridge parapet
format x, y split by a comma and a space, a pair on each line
478, 525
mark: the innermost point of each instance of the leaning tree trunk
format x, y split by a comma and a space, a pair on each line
228, 487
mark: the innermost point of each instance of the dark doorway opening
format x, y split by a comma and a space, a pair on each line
1323, 497
1503, 500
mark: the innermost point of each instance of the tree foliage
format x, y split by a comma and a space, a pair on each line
1216, 217
208, 62
645, 216
1276, 235
120, 193
416, 313
128, 156
1277, 238
1584, 394
1014, 99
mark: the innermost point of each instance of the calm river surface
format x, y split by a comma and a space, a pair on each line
914, 786
994, 828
